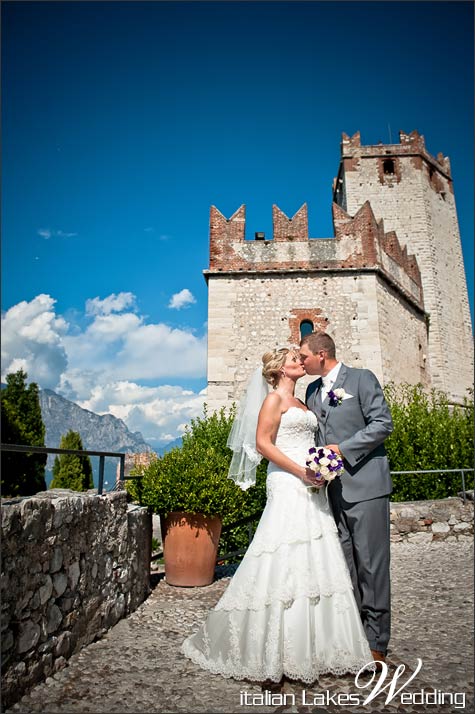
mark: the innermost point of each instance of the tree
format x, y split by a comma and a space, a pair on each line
70, 470
22, 423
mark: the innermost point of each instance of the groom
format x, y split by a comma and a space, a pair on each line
354, 421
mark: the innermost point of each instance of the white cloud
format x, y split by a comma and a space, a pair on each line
159, 413
100, 366
181, 299
47, 233
112, 303
62, 234
33, 339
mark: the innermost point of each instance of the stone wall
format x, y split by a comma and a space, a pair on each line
447, 519
248, 314
73, 564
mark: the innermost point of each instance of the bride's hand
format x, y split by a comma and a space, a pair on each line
310, 478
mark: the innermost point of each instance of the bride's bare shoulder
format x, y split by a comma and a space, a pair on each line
273, 400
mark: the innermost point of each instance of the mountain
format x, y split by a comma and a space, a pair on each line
169, 446
98, 433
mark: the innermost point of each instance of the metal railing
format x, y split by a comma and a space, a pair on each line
52, 450
440, 472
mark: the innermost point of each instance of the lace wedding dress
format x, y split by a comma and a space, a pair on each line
289, 609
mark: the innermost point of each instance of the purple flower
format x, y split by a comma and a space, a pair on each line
325, 463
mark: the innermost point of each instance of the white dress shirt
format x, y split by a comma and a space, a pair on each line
329, 380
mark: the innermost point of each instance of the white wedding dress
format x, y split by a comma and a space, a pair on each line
289, 609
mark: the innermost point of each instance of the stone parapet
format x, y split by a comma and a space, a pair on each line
447, 519
73, 565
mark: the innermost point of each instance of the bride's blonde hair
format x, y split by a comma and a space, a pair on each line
273, 362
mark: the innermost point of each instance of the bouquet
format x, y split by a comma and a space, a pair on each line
325, 463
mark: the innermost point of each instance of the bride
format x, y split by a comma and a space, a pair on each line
289, 609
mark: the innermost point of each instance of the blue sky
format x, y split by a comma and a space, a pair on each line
124, 121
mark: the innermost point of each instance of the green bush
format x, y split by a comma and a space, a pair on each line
193, 477
429, 433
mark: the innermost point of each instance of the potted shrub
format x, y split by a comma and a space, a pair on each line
190, 489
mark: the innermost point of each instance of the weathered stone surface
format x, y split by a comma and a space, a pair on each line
54, 617
46, 590
63, 644
462, 527
51, 594
60, 582
29, 636
440, 528
73, 575
56, 560
420, 537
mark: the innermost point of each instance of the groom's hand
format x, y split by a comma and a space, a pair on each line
335, 448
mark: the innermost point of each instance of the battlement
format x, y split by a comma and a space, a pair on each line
412, 144
359, 243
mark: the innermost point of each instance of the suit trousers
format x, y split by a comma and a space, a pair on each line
363, 529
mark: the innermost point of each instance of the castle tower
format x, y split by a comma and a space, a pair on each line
413, 193
361, 287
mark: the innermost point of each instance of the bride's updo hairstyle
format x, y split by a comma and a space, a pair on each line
272, 364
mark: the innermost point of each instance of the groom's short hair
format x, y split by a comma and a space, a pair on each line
317, 341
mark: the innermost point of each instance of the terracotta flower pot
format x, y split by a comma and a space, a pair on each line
190, 547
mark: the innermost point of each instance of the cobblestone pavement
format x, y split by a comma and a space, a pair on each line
137, 666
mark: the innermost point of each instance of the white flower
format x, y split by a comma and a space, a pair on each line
339, 393
326, 464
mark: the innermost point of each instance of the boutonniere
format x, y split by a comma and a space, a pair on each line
336, 396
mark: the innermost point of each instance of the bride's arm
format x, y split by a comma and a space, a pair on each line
267, 427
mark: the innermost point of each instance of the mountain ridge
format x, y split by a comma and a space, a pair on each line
99, 432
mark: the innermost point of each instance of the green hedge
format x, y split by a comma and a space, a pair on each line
429, 433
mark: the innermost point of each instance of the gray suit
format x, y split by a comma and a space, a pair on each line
360, 497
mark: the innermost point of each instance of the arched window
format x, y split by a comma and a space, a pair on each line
388, 166
306, 328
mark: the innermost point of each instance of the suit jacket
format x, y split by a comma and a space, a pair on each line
359, 425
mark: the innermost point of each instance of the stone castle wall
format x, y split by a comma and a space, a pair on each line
248, 315
403, 359
417, 202
73, 564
